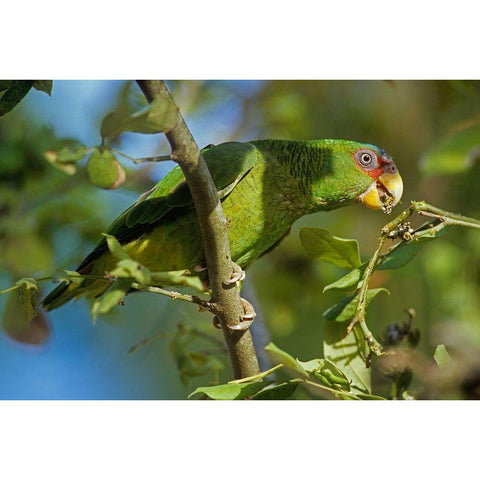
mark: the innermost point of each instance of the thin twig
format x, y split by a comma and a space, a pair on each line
159, 158
421, 208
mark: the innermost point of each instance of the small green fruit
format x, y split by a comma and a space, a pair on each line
104, 171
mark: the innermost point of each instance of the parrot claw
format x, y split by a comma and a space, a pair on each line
246, 322
237, 275
248, 316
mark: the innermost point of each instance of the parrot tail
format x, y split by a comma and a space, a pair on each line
60, 296
66, 292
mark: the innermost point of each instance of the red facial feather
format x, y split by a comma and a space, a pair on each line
375, 173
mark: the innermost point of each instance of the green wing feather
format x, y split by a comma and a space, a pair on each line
228, 164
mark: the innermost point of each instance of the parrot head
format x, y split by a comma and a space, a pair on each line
386, 187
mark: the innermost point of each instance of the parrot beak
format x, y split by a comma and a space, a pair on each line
384, 193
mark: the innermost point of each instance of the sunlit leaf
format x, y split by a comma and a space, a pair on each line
441, 356
322, 245
333, 375
366, 396
345, 309
67, 276
346, 353
455, 153
128, 268
280, 391
348, 281
230, 391
43, 86
71, 153
112, 297
177, 278
51, 156
115, 248
159, 116
280, 356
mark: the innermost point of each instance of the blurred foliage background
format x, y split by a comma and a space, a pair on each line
49, 219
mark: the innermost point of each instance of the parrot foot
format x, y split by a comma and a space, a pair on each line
248, 317
237, 275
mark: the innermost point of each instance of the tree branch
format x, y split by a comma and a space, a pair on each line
214, 229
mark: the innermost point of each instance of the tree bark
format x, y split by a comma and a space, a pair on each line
214, 229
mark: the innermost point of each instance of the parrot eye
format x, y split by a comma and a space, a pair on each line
366, 158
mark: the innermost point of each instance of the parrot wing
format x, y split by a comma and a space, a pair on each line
228, 164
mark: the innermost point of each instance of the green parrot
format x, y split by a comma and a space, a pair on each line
264, 187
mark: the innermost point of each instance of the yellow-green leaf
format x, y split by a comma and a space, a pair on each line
346, 353
441, 356
230, 391
320, 244
112, 297
159, 116
128, 268
280, 356
345, 309
115, 248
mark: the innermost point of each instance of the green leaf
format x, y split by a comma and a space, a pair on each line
327, 372
322, 245
346, 353
365, 396
67, 276
27, 294
20, 326
51, 156
348, 281
278, 355
402, 253
441, 356
14, 94
43, 86
195, 364
280, 391
454, 153
5, 84
159, 116
398, 256
230, 391
112, 297
128, 268
104, 171
180, 277
115, 248
259, 376
333, 375
71, 154
345, 309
